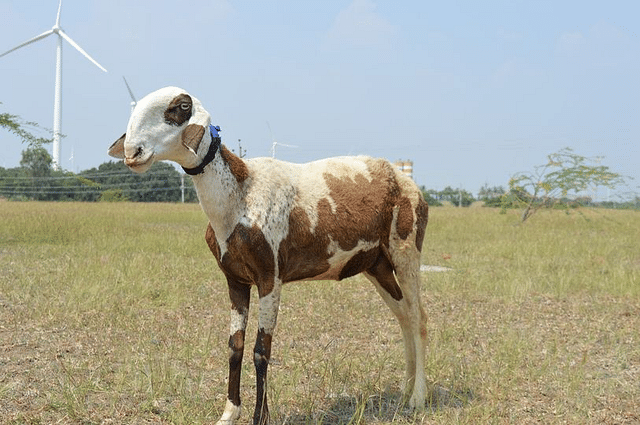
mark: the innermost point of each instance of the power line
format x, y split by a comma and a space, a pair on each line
86, 176
96, 185
30, 191
79, 186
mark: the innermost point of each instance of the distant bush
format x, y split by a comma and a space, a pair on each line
491, 196
112, 195
431, 196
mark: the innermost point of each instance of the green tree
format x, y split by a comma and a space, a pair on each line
36, 161
548, 185
431, 196
112, 195
18, 183
161, 184
491, 196
456, 196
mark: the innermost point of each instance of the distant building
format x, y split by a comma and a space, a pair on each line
405, 166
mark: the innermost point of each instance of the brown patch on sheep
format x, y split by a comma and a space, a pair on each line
383, 270
362, 213
363, 207
212, 242
367, 217
179, 110
249, 258
236, 165
236, 347
404, 223
363, 260
302, 254
422, 214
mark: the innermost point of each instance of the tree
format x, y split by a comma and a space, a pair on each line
456, 196
491, 196
548, 185
431, 196
13, 182
112, 195
114, 181
37, 161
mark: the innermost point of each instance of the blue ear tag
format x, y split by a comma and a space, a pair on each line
214, 129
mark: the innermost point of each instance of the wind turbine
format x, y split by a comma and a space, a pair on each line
276, 143
57, 105
134, 102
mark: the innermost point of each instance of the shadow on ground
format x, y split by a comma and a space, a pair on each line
383, 407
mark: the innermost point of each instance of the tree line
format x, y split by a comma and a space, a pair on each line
559, 183
35, 179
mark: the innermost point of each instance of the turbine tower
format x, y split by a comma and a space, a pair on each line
134, 102
57, 105
276, 143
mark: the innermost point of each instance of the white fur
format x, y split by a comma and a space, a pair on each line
230, 415
269, 309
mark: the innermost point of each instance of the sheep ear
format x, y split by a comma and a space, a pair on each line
192, 136
194, 131
117, 149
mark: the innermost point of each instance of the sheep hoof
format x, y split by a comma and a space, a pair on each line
231, 413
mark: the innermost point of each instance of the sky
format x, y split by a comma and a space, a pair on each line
472, 92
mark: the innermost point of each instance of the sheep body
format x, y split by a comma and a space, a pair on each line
275, 189
273, 222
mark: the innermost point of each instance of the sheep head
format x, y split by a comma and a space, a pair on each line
167, 124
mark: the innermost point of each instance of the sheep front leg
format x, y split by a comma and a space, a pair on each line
269, 304
240, 296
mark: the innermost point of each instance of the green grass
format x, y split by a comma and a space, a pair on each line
117, 313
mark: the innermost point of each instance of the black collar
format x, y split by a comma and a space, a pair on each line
211, 153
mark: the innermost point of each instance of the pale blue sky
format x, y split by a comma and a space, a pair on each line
471, 91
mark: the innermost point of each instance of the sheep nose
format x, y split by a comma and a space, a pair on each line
136, 156
133, 152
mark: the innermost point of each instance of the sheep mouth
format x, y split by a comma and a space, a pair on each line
139, 163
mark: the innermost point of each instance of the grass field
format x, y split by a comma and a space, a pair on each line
117, 313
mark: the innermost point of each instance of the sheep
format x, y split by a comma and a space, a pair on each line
272, 222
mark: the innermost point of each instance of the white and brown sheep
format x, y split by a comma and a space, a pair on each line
273, 222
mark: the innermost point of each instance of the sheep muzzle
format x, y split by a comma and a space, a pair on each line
140, 160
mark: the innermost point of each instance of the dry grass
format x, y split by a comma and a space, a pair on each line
117, 314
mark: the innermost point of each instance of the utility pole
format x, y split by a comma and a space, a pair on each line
240, 153
182, 185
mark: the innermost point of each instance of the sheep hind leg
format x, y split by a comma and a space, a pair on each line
405, 304
408, 276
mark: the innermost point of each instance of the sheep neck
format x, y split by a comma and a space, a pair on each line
210, 155
220, 196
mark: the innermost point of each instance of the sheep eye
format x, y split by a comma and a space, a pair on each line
185, 106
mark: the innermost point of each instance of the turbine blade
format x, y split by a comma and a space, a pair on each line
129, 88
33, 40
58, 16
78, 48
273, 139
